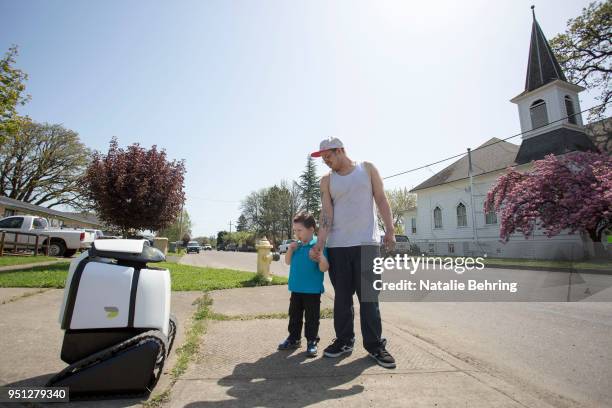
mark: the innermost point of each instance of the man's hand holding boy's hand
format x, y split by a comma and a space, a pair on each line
315, 253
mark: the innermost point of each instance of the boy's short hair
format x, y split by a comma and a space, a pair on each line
306, 219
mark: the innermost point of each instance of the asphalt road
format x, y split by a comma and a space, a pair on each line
242, 261
561, 351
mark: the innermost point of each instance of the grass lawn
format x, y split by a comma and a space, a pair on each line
187, 277
184, 277
9, 260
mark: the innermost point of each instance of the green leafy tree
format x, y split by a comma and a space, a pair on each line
252, 209
212, 240
400, 201
44, 164
270, 211
12, 88
584, 51
241, 225
309, 184
273, 214
240, 238
291, 204
294, 204
175, 230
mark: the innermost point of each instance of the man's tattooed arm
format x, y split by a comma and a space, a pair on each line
327, 212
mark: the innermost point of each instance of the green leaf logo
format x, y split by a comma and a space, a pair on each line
111, 312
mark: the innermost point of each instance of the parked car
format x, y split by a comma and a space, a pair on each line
193, 246
402, 246
207, 247
149, 238
282, 248
97, 234
231, 247
62, 242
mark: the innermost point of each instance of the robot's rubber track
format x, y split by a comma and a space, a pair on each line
150, 336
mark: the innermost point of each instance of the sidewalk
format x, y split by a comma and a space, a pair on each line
239, 366
32, 339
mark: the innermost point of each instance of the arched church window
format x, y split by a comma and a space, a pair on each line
569, 109
539, 116
461, 216
490, 216
437, 217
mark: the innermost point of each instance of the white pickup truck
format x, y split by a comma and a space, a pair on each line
284, 246
63, 242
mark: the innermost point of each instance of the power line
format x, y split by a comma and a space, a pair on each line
491, 144
214, 200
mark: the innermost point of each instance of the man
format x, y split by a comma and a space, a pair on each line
348, 225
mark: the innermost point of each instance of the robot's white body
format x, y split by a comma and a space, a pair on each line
116, 306
105, 294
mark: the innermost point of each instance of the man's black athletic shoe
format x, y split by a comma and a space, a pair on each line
337, 348
289, 344
382, 357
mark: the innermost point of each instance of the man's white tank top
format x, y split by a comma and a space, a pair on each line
354, 219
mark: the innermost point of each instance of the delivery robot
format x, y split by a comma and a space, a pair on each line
116, 318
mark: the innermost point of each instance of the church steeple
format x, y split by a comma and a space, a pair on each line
549, 107
542, 67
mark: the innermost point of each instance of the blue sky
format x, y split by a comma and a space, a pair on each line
244, 90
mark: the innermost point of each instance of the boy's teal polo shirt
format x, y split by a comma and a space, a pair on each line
304, 273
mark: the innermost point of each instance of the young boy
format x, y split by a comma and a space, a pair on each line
305, 285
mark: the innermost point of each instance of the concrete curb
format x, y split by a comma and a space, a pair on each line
12, 268
551, 269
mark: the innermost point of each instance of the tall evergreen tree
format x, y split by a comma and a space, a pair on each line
309, 184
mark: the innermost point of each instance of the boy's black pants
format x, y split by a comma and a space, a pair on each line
309, 305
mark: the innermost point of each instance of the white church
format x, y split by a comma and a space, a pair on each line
449, 217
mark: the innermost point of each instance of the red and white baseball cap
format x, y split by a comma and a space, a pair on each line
328, 144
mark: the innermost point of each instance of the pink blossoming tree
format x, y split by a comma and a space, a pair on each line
572, 192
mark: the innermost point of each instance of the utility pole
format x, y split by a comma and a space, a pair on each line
469, 151
230, 224
180, 237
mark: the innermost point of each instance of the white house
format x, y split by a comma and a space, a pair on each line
449, 219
